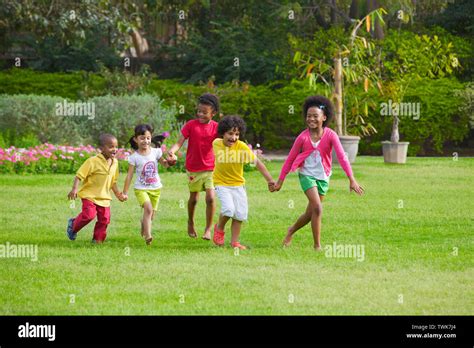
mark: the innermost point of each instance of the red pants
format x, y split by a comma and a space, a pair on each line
88, 213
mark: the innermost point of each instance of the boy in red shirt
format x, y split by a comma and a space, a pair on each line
200, 134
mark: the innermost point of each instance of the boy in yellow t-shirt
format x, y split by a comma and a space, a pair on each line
99, 174
231, 154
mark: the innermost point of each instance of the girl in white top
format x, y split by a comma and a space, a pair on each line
144, 162
313, 165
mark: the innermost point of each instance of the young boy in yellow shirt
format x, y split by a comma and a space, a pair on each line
231, 154
99, 175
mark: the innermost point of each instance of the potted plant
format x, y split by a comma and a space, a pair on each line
352, 67
395, 151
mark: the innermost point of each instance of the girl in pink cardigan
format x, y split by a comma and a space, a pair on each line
311, 154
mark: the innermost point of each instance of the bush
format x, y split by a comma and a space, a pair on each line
120, 115
26, 81
47, 159
29, 116
442, 118
272, 112
59, 159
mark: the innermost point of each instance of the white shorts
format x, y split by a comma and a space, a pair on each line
233, 202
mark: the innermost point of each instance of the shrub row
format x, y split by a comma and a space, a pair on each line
272, 111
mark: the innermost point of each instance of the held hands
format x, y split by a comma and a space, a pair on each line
277, 186
271, 186
172, 159
122, 197
274, 186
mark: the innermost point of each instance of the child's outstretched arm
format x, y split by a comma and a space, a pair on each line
295, 150
128, 180
354, 186
346, 166
264, 171
176, 147
73, 194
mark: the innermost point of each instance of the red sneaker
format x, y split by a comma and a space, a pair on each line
238, 245
218, 238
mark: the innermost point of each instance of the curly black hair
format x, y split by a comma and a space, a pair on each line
322, 103
230, 122
211, 100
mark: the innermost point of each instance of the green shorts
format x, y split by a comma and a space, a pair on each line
152, 196
307, 182
200, 181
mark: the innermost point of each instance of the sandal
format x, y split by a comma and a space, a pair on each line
219, 236
238, 245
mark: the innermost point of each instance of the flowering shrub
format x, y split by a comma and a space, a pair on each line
48, 159
62, 159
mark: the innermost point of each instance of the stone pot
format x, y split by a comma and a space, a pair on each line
395, 152
350, 143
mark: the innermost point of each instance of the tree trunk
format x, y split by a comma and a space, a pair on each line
338, 94
333, 13
395, 136
354, 11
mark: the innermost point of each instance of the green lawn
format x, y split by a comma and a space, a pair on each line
415, 223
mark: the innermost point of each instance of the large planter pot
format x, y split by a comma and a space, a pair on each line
350, 143
395, 152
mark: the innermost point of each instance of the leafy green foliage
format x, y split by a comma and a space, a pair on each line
26, 115
227, 53
115, 82
409, 54
272, 111
66, 36
443, 118
27, 81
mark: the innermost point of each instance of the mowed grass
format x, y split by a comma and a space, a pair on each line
415, 223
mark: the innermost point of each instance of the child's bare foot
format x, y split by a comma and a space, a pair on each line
148, 240
191, 230
207, 235
317, 248
289, 237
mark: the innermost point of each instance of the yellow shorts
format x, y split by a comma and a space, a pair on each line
152, 196
200, 181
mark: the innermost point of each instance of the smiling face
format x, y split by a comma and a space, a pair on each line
231, 136
205, 113
110, 148
315, 118
143, 141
